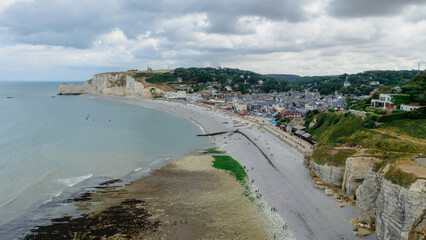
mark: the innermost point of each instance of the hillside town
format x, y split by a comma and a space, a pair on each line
291, 104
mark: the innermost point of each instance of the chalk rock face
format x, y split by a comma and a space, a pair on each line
328, 174
355, 171
133, 88
116, 84
366, 197
71, 89
397, 212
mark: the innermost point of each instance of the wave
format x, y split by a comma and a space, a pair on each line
72, 181
137, 170
54, 196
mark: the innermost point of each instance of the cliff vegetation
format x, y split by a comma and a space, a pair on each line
340, 135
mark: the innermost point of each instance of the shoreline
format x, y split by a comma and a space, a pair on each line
186, 199
310, 214
288, 187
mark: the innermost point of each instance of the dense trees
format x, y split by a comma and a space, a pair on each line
248, 81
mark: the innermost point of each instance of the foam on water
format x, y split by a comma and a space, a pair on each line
72, 181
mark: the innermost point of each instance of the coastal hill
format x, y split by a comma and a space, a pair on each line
378, 167
235, 80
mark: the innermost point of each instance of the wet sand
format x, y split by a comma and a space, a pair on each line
187, 199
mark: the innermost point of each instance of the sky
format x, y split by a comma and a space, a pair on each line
70, 40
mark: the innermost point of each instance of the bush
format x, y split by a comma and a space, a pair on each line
397, 111
369, 123
401, 99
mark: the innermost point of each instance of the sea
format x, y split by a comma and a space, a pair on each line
56, 148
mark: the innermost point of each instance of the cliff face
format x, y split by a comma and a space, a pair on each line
118, 84
356, 169
397, 212
328, 174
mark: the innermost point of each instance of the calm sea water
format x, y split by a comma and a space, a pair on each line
52, 149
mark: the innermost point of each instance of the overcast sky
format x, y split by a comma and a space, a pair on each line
67, 40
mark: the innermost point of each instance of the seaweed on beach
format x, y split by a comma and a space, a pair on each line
128, 219
109, 182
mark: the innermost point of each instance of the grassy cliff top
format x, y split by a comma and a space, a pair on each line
339, 135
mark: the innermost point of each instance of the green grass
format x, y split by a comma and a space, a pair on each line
333, 157
373, 151
382, 141
410, 127
396, 176
230, 164
390, 141
331, 129
214, 150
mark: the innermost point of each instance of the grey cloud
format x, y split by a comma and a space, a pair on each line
68, 23
224, 15
369, 8
78, 23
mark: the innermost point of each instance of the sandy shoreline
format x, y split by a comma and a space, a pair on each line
286, 185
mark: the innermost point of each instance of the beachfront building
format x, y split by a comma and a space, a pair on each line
170, 95
239, 105
290, 114
193, 97
181, 94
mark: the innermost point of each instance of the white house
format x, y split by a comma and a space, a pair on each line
408, 107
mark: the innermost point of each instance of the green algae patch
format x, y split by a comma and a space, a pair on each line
214, 150
230, 164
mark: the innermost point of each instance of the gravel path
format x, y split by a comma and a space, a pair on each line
285, 184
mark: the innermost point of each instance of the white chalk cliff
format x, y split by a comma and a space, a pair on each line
117, 84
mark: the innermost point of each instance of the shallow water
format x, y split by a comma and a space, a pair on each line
53, 148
